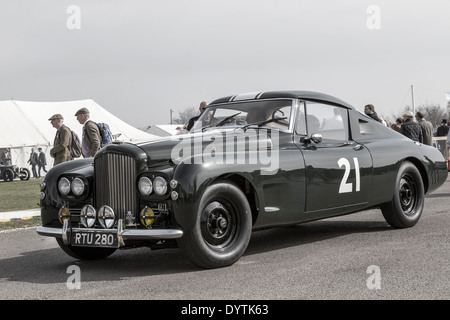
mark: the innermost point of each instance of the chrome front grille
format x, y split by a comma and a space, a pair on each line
115, 176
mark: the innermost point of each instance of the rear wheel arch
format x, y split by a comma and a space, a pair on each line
423, 172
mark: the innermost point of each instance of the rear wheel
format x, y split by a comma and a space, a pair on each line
407, 204
25, 174
222, 230
85, 253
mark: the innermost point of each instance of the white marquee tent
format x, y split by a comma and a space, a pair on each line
25, 125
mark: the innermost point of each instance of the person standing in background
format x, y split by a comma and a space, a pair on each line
63, 140
42, 161
410, 128
369, 110
192, 120
6, 158
91, 141
427, 129
33, 161
442, 130
397, 125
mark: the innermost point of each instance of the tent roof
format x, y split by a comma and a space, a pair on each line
25, 123
16, 128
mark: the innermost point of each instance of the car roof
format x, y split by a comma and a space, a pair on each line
292, 94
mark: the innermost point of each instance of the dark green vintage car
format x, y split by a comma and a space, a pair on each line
251, 161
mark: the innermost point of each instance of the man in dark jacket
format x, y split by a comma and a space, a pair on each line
370, 111
34, 162
192, 121
42, 162
410, 128
442, 131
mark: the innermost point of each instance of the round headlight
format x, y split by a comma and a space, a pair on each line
160, 186
106, 217
145, 186
77, 186
87, 216
64, 186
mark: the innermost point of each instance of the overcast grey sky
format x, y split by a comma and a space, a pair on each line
140, 58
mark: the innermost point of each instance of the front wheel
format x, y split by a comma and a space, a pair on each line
407, 203
8, 175
85, 253
222, 230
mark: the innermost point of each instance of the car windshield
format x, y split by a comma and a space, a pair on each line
262, 113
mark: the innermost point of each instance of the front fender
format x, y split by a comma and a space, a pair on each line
52, 201
193, 178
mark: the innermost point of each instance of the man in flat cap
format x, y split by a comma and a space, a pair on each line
63, 140
410, 128
91, 140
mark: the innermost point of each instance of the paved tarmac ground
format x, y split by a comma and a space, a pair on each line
357, 256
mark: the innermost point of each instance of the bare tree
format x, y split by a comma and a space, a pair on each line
185, 114
432, 112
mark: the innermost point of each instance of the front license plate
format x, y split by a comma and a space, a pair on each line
97, 239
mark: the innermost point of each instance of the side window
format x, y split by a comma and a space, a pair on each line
300, 126
366, 128
328, 120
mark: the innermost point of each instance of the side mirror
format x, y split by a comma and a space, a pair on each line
316, 137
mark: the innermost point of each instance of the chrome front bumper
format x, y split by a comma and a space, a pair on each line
122, 234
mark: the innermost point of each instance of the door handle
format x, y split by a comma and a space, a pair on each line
358, 147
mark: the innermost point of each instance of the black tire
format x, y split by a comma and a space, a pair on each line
406, 207
24, 174
85, 253
222, 230
8, 175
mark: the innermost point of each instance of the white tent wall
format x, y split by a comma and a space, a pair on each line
25, 125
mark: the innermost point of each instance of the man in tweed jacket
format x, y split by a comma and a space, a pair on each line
91, 141
63, 140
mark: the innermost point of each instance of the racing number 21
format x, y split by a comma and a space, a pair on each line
348, 186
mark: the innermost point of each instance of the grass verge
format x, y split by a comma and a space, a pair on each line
20, 223
19, 195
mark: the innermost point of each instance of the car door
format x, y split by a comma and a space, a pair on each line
338, 170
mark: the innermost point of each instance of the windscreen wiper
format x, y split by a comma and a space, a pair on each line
261, 123
221, 122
